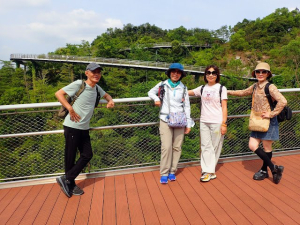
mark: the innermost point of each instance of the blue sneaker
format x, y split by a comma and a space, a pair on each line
172, 177
164, 179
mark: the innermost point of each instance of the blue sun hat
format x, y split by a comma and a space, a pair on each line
177, 66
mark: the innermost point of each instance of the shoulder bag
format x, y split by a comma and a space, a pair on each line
256, 122
177, 119
285, 114
63, 112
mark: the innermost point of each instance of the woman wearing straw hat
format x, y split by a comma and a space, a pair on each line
175, 99
263, 73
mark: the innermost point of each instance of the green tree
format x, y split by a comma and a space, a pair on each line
291, 52
238, 41
6, 76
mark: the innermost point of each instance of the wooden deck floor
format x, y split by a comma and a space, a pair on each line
232, 198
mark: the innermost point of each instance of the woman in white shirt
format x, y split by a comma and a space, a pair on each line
213, 120
171, 95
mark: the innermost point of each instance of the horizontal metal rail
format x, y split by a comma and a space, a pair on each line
111, 127
168, 45
120, 100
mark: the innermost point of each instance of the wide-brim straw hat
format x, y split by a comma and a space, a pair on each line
262, 66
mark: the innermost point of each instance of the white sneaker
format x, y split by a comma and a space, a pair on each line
203, 175
208, 177
213, 176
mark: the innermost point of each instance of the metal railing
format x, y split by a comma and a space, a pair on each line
32, 142
169, 45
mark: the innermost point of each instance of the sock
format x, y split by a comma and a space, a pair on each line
261, 153
265, 166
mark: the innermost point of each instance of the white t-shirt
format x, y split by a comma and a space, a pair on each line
211, 109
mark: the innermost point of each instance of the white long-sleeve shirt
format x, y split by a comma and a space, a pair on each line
176, 103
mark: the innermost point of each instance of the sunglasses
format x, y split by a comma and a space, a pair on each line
261, 71
176, 71
214, 73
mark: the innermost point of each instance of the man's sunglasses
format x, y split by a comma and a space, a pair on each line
214, 73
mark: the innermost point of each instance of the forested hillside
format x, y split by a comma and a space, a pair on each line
236, 50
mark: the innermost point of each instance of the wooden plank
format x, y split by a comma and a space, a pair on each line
290, 178
187, 207
11, 207
149, 212
6, 200
205, 213
109, 209
237, 197
253, 199
294, 159
96, 211
36, 205
46, 209
193, 175
283, 192
71, 208
21, 210
259, 202
281, 211
4, 192
176, 211
122, 208
231, 211
159, 203
83, 212
291, 173
58, 209
135, 210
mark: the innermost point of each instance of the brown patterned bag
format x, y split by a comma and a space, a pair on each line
257, 123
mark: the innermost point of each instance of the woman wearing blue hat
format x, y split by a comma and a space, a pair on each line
172, 97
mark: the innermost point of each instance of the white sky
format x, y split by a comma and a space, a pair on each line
42, 26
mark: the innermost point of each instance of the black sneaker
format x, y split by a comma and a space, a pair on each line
77, 191
64, 185
260, 175
277, 173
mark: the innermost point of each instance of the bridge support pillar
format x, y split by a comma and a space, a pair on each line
196, 77
34, 74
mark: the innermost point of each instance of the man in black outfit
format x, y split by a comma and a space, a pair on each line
77, 125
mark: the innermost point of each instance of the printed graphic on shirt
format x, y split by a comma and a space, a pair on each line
208, 96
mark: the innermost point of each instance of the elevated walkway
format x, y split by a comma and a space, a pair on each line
110, 62
169, 45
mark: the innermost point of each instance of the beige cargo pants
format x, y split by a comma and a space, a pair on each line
171, 142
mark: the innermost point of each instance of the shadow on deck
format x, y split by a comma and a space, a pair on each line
232, 198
